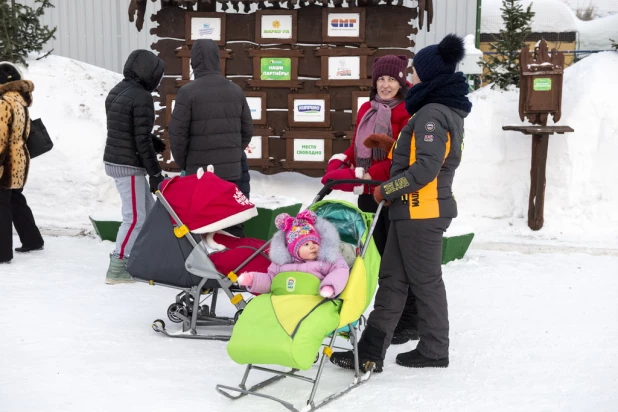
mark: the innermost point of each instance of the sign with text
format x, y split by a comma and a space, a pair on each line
276, 68
309, 150
206, 28
343, 67
254, 150
309, 110
276, 26
343, 25
255, 106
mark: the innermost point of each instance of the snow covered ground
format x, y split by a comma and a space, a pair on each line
529, 332
533, 314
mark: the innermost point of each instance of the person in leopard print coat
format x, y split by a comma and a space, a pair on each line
15, 98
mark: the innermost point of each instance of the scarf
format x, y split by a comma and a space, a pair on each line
447, 89
376, 120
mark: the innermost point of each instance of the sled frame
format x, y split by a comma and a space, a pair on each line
207, 272
359, 379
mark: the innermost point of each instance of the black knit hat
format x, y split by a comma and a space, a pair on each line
9, 73
437, 59
390, 65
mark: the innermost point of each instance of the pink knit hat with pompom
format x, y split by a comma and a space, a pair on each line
298, 230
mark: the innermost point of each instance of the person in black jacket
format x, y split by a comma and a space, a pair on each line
131, 152
211, 123
422, 205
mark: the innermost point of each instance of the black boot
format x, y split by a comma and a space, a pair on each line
25, 249
414, 359
345, 360
370, 348
402, 335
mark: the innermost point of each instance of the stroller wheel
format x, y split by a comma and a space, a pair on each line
158, 325
237, 315
175, 309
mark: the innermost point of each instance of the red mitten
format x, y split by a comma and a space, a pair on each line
347, 174
336, 162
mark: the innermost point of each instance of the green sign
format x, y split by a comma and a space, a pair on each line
542, 84
276, 68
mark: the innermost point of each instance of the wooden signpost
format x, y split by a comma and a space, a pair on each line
540, 94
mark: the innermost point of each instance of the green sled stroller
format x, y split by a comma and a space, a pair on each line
288, 326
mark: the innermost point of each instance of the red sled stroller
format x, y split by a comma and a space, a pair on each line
183, 245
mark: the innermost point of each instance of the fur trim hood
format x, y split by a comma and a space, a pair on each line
329, 244
24, 88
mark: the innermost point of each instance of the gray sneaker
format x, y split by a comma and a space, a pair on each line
117, 272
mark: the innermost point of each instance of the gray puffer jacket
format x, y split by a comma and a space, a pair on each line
211, 122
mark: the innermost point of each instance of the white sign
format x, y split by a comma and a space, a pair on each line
344, 67
276, 26
255, 105
309, 150
360, 101
309, 110
254, 150
206, 28
343, 25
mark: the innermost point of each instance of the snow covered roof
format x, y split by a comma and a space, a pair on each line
551, 16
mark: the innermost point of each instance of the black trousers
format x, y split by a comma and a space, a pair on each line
412, 259
366, 203
14, 210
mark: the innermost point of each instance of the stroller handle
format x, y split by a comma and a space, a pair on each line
327, 189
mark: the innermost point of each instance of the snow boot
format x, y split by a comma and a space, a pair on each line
25, 249
370, 348
117, 272
414, 359
403, 335
345, 360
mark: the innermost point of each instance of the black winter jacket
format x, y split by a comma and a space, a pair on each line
425, 157
130, 114
211, 122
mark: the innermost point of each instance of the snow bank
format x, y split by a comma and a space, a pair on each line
68, 183
581, 195
596, 34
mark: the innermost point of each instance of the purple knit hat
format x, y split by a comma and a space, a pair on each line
298, 230
390, 65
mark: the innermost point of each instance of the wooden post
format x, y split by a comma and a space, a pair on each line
540, 143
536, 202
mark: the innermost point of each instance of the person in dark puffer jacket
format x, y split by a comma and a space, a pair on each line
211, 123
131, 152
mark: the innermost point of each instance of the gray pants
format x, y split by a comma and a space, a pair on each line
136, 203
412, 259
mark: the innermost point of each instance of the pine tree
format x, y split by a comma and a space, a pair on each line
21, 31
614, 44
503, 66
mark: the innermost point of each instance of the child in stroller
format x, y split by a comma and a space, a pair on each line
306, 244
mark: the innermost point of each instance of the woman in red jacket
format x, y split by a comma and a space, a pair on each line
385, 113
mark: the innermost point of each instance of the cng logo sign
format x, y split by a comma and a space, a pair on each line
343, 24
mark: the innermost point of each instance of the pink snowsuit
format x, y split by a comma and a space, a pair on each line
331, 274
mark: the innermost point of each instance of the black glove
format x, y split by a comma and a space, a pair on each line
158, 143
155, 181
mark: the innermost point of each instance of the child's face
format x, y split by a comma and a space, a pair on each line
309, 250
